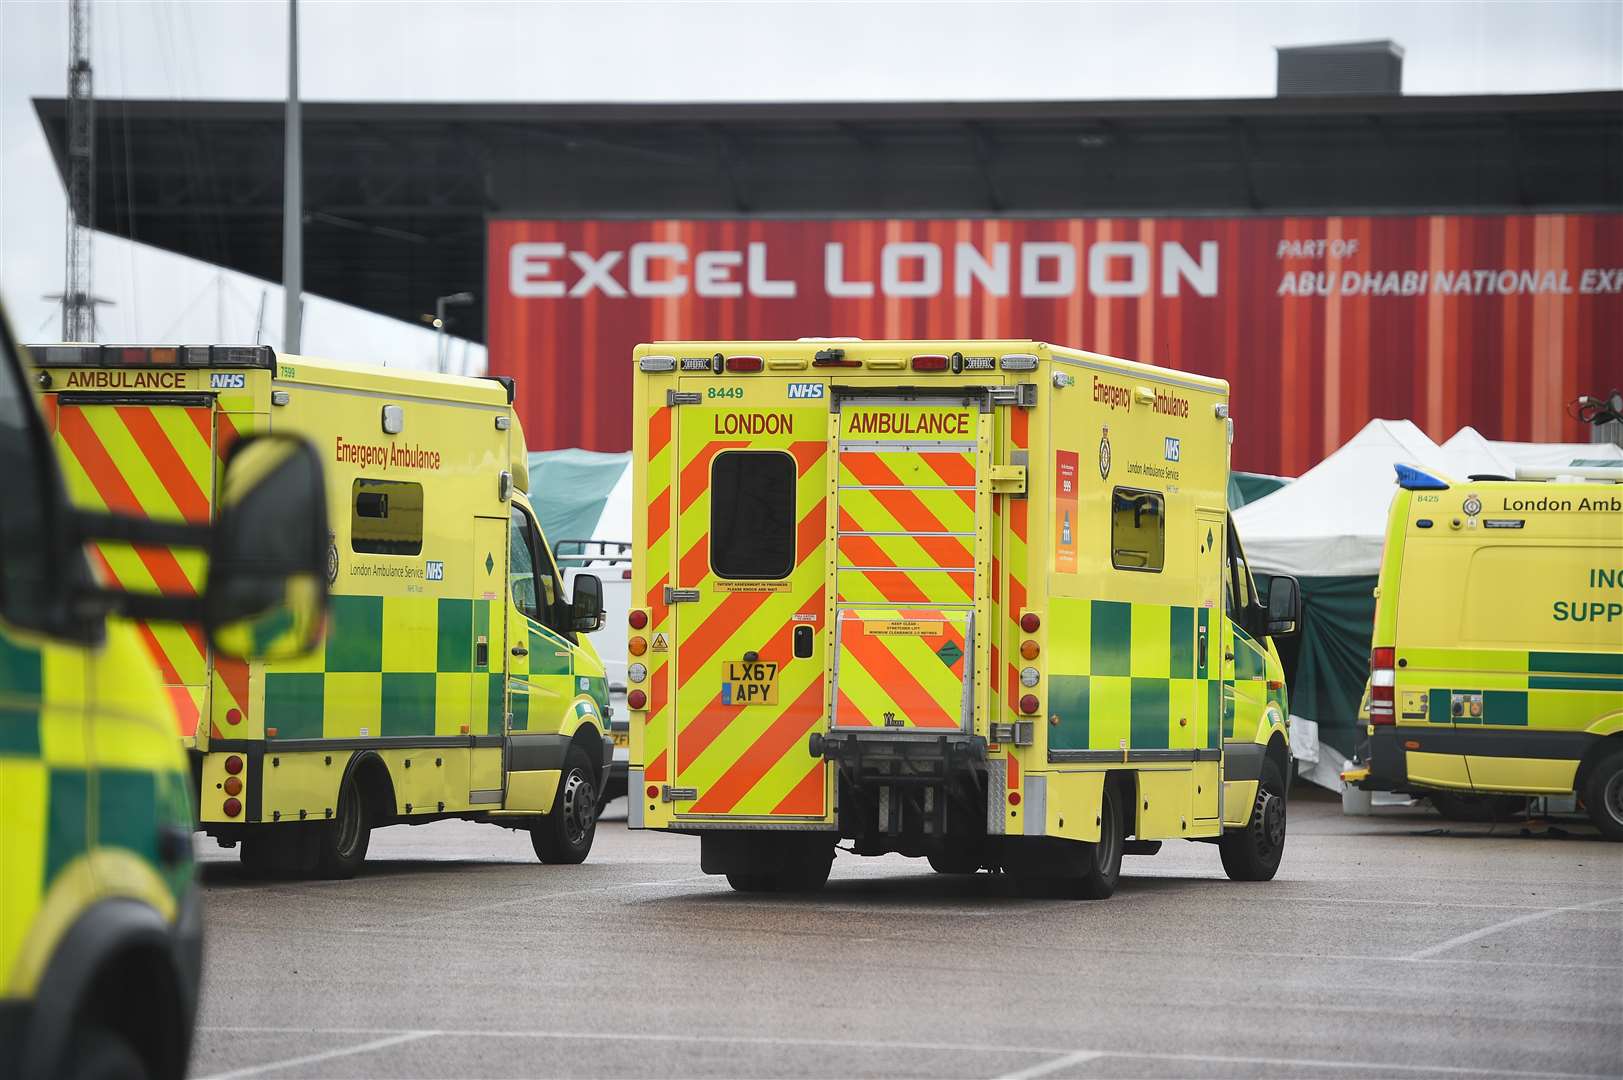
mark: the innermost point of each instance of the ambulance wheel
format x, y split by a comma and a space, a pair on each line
1253, 853
1603, 794
565, 835
1103, 870
954, 862
256, 856
345, 838
96, 1053
752, 882
808, 876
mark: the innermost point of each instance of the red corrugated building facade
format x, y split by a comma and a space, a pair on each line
1319, 323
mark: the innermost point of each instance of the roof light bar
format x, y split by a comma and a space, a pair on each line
657, 363
930, 362
695, 363
116, 356
1019, 362
745, 363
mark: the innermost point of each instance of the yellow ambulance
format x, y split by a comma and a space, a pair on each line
100, 932
1496, 666
976, 601
456, 678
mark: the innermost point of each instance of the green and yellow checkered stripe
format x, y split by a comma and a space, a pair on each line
1552, 691
1130, 676
394, 666
55, 806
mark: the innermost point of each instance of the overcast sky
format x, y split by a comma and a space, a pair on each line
533, 51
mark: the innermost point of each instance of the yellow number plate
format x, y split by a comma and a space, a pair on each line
750, 683
621, 738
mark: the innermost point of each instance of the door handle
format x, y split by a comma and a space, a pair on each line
519, 650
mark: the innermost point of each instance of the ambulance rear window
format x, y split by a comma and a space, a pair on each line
752, 514
1138, 530
386, 518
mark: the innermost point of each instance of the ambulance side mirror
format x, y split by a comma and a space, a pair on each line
1284, 606
266, 597
587, 603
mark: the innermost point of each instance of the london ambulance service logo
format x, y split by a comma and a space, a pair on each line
1473, 506
332, 558
1104, 455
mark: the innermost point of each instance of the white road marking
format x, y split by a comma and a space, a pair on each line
326, 1055
1532, 916
1057, 1057
1053, 1065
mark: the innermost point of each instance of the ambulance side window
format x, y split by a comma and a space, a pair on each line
1138, 530
386, 517
752, 515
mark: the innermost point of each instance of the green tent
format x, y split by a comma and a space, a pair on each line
569, 489
1248, 487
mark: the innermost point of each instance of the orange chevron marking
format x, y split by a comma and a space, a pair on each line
849, 713
806, 798
165, 460
659, 432
695, 479
659, 516
917, 704
785, 734
655, 772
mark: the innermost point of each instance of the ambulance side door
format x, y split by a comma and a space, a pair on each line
540, 658
489, 694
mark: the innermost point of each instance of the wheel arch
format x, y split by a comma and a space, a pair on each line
118, 966
371, 774
1603, 747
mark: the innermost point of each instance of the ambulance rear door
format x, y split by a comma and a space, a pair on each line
148, 455
912, 557
751, 521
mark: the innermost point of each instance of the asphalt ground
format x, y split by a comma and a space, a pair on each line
1396, 945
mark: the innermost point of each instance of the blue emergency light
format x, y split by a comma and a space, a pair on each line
1412, 479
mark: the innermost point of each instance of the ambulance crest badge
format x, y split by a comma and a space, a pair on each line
1104, 455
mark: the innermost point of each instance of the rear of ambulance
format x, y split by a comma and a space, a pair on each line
814, 635
140, 430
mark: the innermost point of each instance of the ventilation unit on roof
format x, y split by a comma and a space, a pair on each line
1349, 68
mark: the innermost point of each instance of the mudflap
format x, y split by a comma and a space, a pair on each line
762, 851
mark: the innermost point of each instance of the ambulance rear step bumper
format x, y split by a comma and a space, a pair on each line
931, 757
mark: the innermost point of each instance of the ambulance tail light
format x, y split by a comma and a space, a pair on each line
1382, 679
738, 364
638, 618
930, 363
637, 699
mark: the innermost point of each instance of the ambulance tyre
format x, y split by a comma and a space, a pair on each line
954, 862
1253, 853
564, 837
96, 1053
1603, 794
1101, 869
345, 838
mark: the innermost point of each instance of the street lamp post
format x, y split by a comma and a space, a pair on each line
440, 304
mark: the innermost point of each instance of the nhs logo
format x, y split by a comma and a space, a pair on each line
227, 380
1173, 449
434, 570
805, 391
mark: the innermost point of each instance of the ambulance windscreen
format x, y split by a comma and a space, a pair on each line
1138, 530
752, 515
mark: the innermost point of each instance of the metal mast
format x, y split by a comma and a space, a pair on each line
292, 196
78, 306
